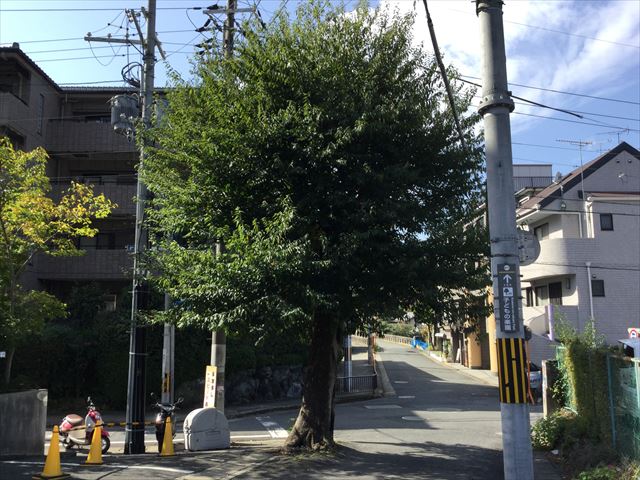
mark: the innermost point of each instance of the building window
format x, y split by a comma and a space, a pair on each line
101, 241
542, 232
597, 288
110, 303
15, 80
542, 296
606, 221
40, 114
529, 296
555, 293
16, 140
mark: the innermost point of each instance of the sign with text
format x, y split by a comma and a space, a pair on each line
210, 386
507, 297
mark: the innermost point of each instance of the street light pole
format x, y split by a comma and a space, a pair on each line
495, 106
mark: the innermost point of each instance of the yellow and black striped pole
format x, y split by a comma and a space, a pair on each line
512, 360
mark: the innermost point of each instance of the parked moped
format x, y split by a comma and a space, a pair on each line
166, 410
76, 431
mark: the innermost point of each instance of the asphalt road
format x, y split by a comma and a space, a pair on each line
440, 424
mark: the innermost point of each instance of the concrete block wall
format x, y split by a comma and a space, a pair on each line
23, 418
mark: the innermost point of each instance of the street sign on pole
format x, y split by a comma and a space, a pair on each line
507, 299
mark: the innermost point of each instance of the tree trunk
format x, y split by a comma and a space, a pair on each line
8, 364
313, 429
456, 335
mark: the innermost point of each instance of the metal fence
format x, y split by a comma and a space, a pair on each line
623, 377
396, 339
357, 384
624, 404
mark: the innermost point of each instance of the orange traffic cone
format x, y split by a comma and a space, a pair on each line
52, 468
167, 440
95, 451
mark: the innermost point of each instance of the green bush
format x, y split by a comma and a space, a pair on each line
546, 432
584, 372
401, 329
609, 472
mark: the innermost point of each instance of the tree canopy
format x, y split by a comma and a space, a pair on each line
323, 156
32, 223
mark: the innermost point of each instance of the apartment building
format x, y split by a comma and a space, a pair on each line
588, 226
73, 125
478, 350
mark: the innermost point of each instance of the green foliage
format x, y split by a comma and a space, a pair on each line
545, 433
32, 223
608, 472
402, 329
583, 368
321, 157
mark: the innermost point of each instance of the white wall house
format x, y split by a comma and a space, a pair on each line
588, 225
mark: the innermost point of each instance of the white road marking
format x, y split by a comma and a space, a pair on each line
380, 407
406, 396
400, 381
275, 430
251, 436
413, 418
110, 465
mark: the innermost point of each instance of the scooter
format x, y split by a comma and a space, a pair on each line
166, 410
76, 431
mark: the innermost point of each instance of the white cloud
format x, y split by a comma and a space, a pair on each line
538, 56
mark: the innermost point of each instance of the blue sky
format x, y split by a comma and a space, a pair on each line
585, 48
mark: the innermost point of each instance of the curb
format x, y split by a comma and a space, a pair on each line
387, 389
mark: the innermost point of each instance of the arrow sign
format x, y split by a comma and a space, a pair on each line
506, 305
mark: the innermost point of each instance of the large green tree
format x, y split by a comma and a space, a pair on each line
32, 223
325, 159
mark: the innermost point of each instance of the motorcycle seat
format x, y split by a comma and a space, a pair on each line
74, 419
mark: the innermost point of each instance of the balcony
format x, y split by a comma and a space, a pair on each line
120, 189
561, 257
11, 107
536, 317
81, 136
93, 265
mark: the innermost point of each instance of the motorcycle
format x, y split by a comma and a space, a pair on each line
166, 410
76, 431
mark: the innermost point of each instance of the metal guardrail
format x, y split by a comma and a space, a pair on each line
396, 339
357, 384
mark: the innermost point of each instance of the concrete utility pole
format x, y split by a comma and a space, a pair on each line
495, 107
134, 430
218, 337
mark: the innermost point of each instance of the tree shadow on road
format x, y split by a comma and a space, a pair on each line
426, 460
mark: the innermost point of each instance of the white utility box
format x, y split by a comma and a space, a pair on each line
206, 429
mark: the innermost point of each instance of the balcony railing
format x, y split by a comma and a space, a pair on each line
93, 265
80, 136
120, 189
12, 108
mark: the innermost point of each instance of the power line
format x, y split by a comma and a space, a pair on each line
563, 92
558, 264
561, 32
599, 124
86, 9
